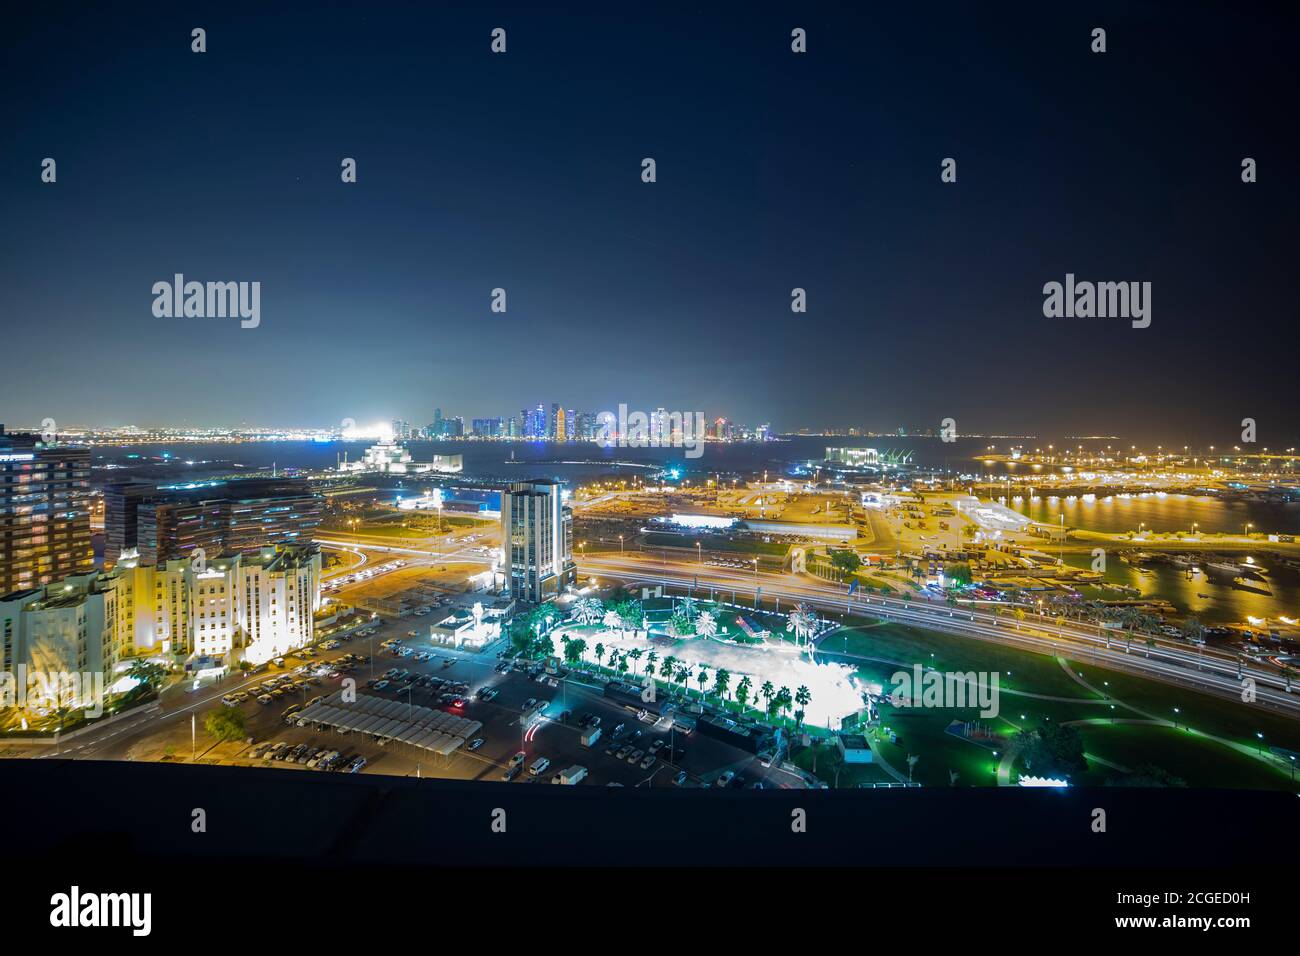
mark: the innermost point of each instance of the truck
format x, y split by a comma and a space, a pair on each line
589, 737
572, 776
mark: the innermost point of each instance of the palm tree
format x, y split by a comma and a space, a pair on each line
767, 690
720, 681
613, 621
650, 661
742, 691
683, 673
589, 610
600, 652
802, 697
706, 625
636, 654
702, 678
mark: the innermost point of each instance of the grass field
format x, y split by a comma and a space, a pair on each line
1036, 688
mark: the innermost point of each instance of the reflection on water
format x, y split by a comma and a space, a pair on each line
1221, 604
1162, 512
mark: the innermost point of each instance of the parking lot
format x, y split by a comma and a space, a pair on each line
521, 710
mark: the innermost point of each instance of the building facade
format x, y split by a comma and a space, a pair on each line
537, 541
240, 606
44, 511
169, 523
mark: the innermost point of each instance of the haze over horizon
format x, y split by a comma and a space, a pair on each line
774, 171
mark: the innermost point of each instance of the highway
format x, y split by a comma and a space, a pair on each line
1172, 664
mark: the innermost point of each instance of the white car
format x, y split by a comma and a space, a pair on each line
539, 766
726, 778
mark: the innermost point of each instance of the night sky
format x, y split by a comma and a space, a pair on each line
775, 170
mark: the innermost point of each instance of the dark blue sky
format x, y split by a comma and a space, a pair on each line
774, 170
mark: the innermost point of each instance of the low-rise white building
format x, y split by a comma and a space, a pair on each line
391, 458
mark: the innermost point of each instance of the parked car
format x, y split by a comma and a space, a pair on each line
726, 778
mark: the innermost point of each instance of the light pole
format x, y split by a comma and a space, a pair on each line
699, 553
620, 544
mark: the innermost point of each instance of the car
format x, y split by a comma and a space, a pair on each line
518, 758
726, 778
635, 756
265, 699
680, 779
355, 764
380, 684
538, 766
257, 752
655, 747
489, 694
529, 704
648, 762
474, 744
623, 751
511, 772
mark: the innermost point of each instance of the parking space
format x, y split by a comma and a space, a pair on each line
520, 708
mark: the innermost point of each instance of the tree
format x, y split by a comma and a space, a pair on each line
635, 654
1193, 630
225, 724
834, 764
683, 624
802, 697
845, 561
1052, 750
149, 673
742, 691
600, 652
632, 615
613, 621
574, 649
801, 623
768, 691
702, 678
706, 625
958, 573
589, 610
720, 681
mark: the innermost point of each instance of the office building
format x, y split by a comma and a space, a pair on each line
219, 516
537, 541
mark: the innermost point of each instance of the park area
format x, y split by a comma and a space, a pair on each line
815, 677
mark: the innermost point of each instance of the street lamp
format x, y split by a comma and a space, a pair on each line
699, 553
620, 544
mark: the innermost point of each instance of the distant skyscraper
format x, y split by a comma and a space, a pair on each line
121, 498
561, 433
537, 541
44, 511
